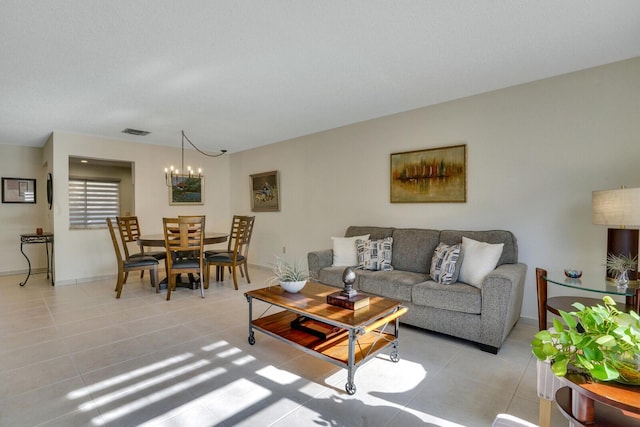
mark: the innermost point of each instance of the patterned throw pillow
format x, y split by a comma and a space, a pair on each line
375, 254
445, 264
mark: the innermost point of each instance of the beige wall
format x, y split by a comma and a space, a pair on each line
535, 153
85, 254
19, 218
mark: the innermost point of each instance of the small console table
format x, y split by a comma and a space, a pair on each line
33, 238
589, 283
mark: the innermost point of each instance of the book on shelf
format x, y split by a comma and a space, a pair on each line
315, 327
353, 303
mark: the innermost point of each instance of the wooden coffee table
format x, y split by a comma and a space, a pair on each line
357, 336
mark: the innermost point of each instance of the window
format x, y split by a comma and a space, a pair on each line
92, 201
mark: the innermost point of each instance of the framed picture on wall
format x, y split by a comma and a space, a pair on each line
18, 190
265, 192
186, 190
431, 175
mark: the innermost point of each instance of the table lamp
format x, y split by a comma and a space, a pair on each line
618, 208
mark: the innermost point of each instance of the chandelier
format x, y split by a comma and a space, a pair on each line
173, 176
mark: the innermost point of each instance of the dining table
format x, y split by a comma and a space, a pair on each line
157, 240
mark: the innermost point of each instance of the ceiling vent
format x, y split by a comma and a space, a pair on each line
136, 132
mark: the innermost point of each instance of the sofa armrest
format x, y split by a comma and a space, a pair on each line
502, 293
317, 260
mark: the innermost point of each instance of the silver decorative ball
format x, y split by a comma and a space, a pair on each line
348, 276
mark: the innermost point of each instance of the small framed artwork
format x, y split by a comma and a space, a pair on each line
430, 176
186, 190
18, 190
265, 192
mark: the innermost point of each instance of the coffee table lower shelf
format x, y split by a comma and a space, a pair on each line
334, 349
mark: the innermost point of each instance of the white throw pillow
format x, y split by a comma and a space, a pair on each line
345, 253
480, 259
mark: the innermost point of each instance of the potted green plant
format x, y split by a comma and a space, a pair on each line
292, 276
600, 340
620, 266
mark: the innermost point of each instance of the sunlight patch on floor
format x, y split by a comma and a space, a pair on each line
230, 352
142, 385
244, 360
221, 404
278, 376
383, 375
156, 397
215, 345
102, 385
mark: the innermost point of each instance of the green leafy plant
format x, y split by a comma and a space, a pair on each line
600, 340
285, 271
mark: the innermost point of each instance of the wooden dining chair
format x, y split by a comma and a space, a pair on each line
138, 263
184, 242
237, 253
129, 228
233, 234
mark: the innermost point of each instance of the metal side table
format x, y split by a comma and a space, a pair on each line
33, 238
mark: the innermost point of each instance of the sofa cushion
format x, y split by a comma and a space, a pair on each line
445, 263
345, 253
480, 259
375, 233
509, 252
375, 254
394, 284
413, 248
456, 297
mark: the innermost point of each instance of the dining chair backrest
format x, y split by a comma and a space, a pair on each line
185, 233
236, 256
245, 239
233, 234
240, 235
129, 231
114, 240
184, 243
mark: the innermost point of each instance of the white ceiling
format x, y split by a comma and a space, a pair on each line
239, 74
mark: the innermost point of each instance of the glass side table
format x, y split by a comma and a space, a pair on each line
589, 282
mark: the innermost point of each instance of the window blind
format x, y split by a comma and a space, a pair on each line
92, 201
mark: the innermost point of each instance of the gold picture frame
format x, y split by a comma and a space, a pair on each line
434, 175
186, 190
265, 192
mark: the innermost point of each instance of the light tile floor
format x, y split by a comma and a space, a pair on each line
75, 356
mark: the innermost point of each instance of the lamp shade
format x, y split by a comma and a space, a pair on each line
616, 207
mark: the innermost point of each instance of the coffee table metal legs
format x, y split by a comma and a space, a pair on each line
252, 338
350, 387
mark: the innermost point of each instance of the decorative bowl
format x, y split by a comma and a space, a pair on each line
573, 274
293, 287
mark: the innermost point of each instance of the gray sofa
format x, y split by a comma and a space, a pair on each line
483, 315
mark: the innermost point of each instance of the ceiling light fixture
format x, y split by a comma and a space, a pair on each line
173, 177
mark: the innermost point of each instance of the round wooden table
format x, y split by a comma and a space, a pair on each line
158, 239
584, 401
